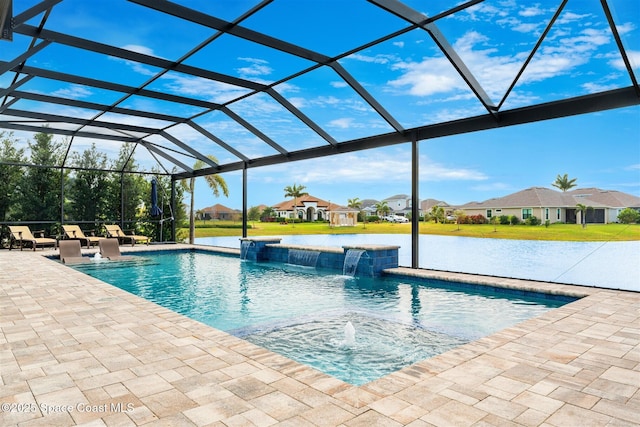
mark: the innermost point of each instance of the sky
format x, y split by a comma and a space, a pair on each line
408, 75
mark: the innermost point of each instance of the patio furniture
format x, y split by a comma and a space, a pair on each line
110, 248
22, 234
70, 252
114, 231
74, 232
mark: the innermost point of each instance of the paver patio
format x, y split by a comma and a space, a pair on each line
75, 350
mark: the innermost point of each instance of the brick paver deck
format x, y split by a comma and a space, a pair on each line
74, 350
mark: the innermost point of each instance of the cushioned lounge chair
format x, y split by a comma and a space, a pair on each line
114, 231
74, 232
110, 248
22, 234
70, 252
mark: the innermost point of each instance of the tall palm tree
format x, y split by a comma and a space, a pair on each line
216, 183
295, 191
564, 183
355, 203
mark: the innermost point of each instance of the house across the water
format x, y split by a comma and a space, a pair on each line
311, 208
556, 206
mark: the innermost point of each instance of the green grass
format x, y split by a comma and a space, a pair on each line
566, 232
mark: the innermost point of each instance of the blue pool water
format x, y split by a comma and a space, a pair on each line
302, 313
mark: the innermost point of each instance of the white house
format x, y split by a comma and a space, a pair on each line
311, 208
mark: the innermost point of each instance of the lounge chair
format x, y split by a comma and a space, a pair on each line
74, 232
22, 234
110, 248
114, 231
70, 252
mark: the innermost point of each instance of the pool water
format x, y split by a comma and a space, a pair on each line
302, 313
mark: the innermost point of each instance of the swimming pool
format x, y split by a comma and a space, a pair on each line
303, 314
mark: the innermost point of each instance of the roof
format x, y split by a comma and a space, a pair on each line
546, 197
611, 198
427, 204
398, 197
239, 80
305, 200
366, 203
219, 208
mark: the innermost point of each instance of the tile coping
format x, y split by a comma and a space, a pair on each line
69, 338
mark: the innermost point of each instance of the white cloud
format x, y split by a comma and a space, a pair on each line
139, 49
592, 87
634, 59
73, 92
200, 88
430, 76
257, 67
625, 28
531, 11
376, 59
338, 84
570, 17
343, 123
391, 165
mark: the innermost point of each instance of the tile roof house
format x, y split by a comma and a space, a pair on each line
221, 212
555, 206
311, 208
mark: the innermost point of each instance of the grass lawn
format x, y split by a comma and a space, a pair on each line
569, 232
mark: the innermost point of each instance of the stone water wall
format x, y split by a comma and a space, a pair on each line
373, 260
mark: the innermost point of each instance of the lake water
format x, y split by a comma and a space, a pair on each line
614, 265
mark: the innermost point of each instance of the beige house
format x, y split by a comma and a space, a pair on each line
311, 208
220, 212
555, 206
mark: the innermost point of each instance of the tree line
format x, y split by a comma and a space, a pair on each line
86, 191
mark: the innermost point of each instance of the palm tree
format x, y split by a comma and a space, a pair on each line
294, 191
583, 213
437, 213
382, 207
355, 203
216, 183
564, 183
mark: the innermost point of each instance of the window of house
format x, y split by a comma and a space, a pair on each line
558, 214
498, 210
546, 214
488, 213
527, 213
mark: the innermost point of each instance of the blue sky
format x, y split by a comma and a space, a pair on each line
407, 75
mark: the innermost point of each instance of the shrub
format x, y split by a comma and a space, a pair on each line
504, 219
478, 219
629, 216
532, 220
463, 219
514, 220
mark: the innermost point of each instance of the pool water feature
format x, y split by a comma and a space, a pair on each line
303, 313
303, 257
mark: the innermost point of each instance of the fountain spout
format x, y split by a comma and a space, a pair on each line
349, 334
